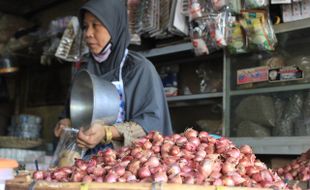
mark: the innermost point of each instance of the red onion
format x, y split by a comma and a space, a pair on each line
119, 170
135, 151
266, 175
201, 153
189, 180
206, 167
215, 175
190, 146
87, 179
111, 178
195, 141
234, 152
228, 181
257, 177
147, 145
146, 180
134, 166
175, 137
228, 167
156, 148
152, 162
181, 141
203, 134
158, 138
173, 170
144, 172
186, 169
38, 175
160, 177
175, 151
217, 182
246, 149
190, 133
59, 174
81, 164
251, 170
176, 179
78, 175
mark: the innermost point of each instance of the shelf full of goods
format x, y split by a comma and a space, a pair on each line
191, 158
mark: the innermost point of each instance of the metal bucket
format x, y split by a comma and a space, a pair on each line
92, 98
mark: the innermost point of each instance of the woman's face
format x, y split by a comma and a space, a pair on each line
95, 33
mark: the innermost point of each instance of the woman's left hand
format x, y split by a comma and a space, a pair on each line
92, 136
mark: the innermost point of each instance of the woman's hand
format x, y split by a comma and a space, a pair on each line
92, 136
61, 124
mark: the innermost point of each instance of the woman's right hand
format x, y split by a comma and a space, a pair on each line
61, 124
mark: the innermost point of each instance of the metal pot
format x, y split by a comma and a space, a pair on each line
93, 98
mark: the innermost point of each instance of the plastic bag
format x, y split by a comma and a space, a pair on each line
258, 30
201, 8
291, 112
258, 109
251, 129
254, 4
209, 33
67, 149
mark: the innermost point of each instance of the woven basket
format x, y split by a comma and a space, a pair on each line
17, 142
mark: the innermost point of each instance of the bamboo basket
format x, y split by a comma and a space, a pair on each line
17, 142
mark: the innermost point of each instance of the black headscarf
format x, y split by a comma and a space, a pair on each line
113, 15
145, 101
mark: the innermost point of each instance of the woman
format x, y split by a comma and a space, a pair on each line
105, 28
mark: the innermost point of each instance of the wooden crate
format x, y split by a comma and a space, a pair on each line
42, 185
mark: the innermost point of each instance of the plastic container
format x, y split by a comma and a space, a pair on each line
6, 171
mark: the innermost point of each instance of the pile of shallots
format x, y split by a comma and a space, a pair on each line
298, 169
190, 158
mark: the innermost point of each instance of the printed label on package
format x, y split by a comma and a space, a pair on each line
252, 75
288, 73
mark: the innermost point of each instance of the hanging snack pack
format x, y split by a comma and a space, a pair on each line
254, 4
219, 4
236, 40
208, 33
67, 150
258, 29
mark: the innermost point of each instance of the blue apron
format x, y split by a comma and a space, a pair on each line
121, 114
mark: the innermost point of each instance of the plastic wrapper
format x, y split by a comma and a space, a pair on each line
236, 39
292, 111
303, 62
67, 149
134, 17
201, 8
254, 4
219, 4
251, 129
275, 61
210, 81
258, 29
209, 33
302, 124
258, 109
